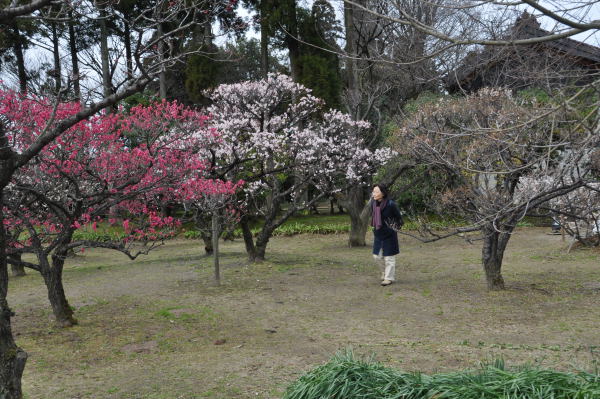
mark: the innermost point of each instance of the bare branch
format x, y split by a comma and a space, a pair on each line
429, 30
117, 246
10, 13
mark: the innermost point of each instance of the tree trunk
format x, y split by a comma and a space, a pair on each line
162, 76
265, 235
358, 224
264, 40
17, 271
104, 55
208, 36
260, 252
167, 209
261, 243
352, 96
494, 244
56, 53
248, 239
204, 227
354, 202
272, 207
215, 243
291, 39
12, 358
56, 293
270, 224
208, 242
128, 55
313, 209
74, 58
358, 231
18, 49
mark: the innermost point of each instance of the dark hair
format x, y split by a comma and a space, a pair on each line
383, 188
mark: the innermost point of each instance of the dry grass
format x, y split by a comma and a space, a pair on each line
159, 328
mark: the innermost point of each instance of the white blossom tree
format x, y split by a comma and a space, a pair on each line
577, 212
277, 137
487, 144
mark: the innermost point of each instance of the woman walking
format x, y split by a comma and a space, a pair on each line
386, 221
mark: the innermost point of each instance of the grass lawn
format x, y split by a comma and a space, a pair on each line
159, 328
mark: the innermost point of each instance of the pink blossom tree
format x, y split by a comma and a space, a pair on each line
147, 59
90, 175
278, 138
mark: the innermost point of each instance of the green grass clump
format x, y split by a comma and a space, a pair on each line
290, 229
293, 228
101, 236
192, 234
345, 377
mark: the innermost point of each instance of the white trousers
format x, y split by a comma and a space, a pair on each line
387, 265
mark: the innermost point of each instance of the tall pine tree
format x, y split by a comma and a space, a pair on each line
320, 71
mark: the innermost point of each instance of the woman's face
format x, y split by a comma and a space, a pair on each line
377, 194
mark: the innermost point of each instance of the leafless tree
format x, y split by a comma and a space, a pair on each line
385, 65
570, 18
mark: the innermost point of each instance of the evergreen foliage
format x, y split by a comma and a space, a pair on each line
346, 377
320, 64
201, 73
240, 61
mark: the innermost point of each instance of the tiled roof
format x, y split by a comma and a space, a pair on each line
529, 28
526, 27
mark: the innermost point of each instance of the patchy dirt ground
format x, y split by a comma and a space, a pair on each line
159, 328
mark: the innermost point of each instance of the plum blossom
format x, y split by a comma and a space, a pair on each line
278, 138
110, 164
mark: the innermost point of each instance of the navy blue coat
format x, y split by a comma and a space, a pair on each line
386, 238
